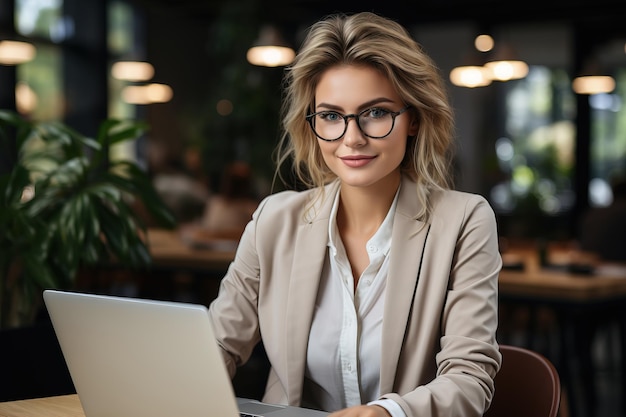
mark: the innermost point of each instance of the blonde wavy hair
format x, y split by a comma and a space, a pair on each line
375, 41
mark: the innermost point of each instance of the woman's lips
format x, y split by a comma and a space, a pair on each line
356, 161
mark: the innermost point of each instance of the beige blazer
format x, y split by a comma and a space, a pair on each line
439, 353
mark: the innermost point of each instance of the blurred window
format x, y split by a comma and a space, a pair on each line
535, 151
122, 43
46, 85
39, 89
40, 18
608, 141
49, 24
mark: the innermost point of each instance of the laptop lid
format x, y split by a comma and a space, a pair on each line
147, 358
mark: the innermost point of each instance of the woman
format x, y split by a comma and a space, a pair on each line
374, 292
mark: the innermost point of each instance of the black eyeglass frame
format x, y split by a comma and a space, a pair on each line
309, 118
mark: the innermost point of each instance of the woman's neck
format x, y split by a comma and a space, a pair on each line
363, 209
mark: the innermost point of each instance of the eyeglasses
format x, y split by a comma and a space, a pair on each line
375, 123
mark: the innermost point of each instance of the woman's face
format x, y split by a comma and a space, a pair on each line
356, 159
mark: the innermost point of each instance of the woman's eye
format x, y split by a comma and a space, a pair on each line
329, 116
376, 113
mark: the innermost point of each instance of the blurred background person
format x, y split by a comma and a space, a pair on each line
185, 195
229, 209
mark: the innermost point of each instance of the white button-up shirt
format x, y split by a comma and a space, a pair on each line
344, 352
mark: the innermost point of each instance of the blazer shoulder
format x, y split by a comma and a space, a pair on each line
288, 197
452, 203
286, 205
304, 205
454, 196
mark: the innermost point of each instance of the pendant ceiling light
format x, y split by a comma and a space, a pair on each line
593, 84
479, 69
471, 73
132, 70
147, 94
592, 80
270, 49
504, 63
16, 52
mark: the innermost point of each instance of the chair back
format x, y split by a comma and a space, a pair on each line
527, 385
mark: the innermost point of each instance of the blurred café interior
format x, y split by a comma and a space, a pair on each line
538, 89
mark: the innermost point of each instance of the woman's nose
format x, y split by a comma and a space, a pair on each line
353, 135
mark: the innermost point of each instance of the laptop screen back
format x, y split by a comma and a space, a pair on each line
141, 358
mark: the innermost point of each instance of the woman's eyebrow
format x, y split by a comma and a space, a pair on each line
328, 106
370, 103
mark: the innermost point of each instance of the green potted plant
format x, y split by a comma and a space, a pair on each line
65, 204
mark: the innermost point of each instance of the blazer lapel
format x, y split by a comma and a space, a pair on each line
407, 246
310, 247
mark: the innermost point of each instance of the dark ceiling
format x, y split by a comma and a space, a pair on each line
601, 15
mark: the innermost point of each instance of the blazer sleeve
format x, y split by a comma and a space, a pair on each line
234, 313
254, 292
462, 260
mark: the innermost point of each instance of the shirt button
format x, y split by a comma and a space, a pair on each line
372, 249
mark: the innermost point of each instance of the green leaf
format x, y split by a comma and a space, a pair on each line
114, 131
13, 184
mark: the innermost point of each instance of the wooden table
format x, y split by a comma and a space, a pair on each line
179, 264
61, 406
580, 302
170, 248
562, 285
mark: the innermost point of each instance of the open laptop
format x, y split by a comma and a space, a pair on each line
146, 358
